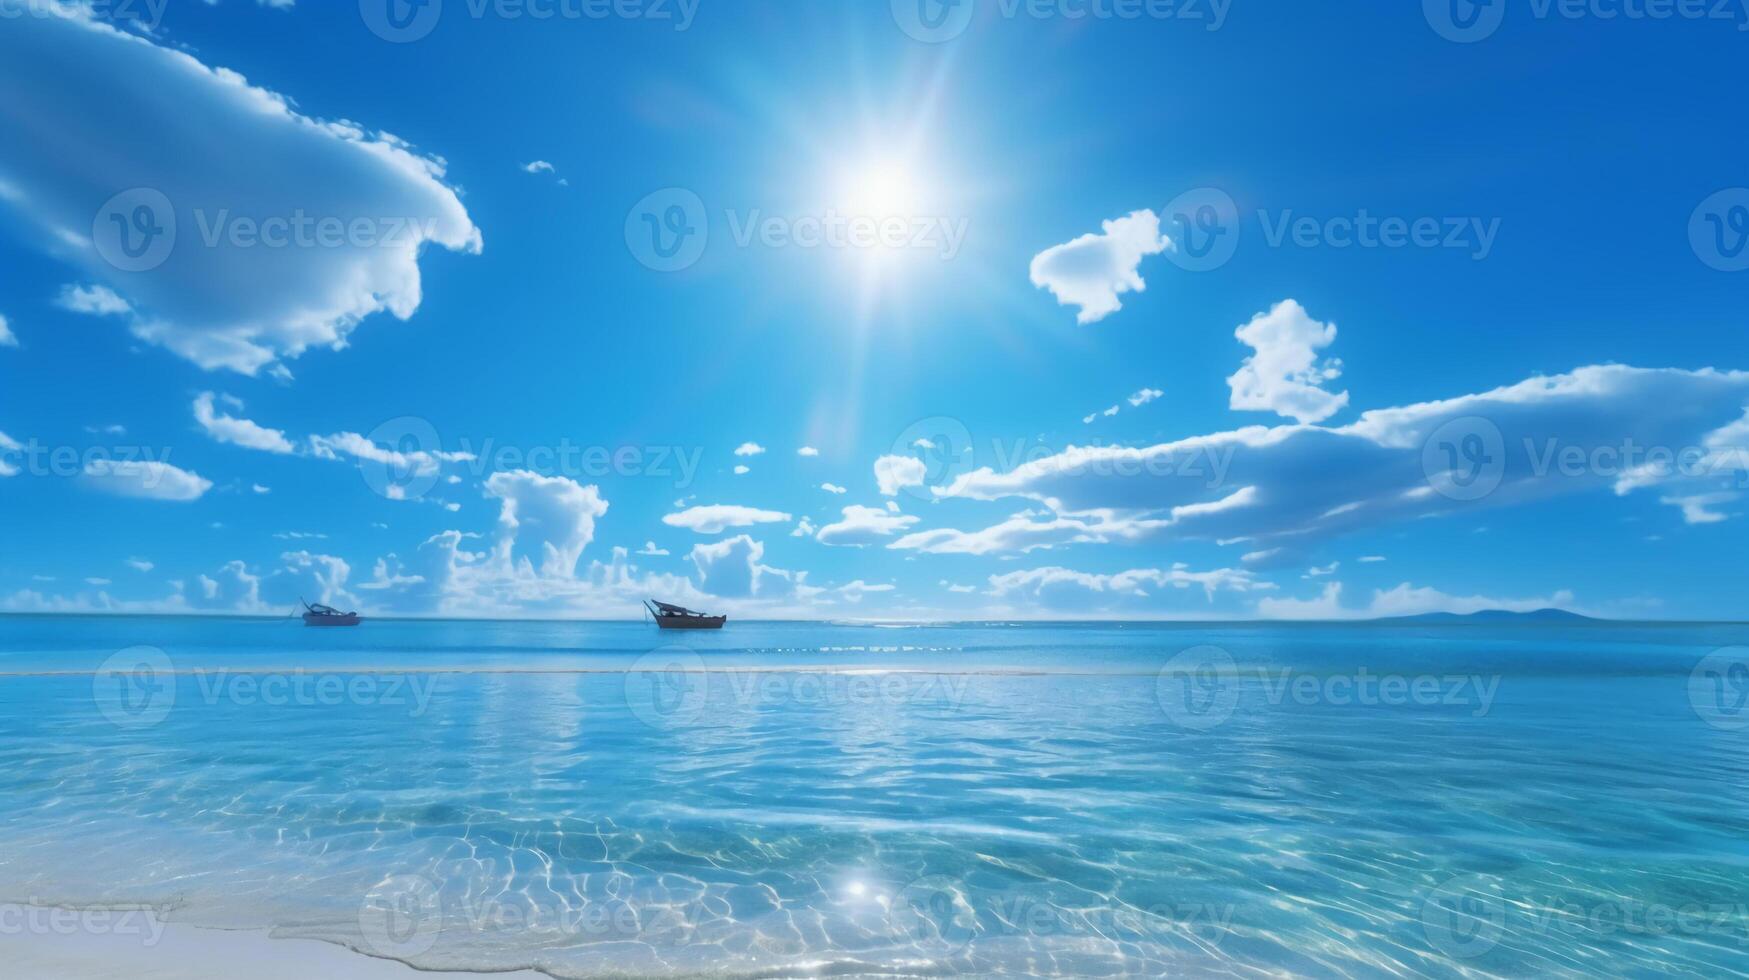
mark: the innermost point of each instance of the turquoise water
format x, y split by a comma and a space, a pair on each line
783, 800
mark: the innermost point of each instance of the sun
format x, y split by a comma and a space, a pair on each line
882, 189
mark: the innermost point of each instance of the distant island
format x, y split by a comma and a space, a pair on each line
1494, 616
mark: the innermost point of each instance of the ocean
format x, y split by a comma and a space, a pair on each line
805, 799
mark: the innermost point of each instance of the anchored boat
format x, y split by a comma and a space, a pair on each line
320, 615
672, 617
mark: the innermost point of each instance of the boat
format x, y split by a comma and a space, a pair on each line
320, 615
672, 617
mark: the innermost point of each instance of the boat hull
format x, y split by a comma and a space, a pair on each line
311, 619
691, 622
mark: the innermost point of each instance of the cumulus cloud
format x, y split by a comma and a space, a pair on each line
551, 518
1021, 533
139, 564
145, 480
834, 488
864, 525
717, 518
731, 568
649, 550
237, 431
1054, 584
1284, 375
1092, 271
152, 115
1295, 483
6, 337
807, 451
8, 445
895, 473
749, 449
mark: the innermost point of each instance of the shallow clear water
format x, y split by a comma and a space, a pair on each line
808, 800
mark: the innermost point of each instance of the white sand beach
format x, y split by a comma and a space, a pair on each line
189, 953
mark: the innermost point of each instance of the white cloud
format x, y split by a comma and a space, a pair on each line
1020, 533
1145, 396
139, 564
538, 167
834, 488
1699, 508
854, 591
749, 449
147, 480
1323, 572
6, 337
864, 525
418, 462
8, 445
152, 115
258, 488
1296, 483
92, 301
100, 582
804, 529
649, 550
717, 518
1093, 270
238, 431
895, 473
1371, 559
550, 516
1056, 584
807, 451
731, 568
1284, 374
742, 471
1404, 600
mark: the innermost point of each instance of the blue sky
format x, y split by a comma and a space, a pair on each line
459, 318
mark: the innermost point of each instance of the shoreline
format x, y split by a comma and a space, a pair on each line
178, 951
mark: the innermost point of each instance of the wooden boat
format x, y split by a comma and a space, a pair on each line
672, 617
320, 615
